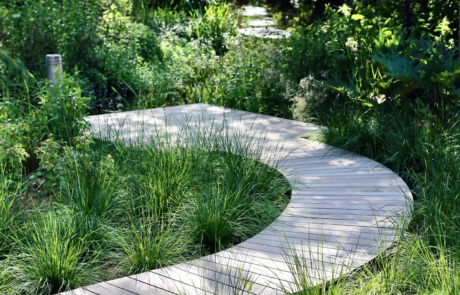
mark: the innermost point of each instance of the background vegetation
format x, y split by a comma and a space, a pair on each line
385, 88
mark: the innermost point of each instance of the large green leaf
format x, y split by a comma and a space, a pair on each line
400, 67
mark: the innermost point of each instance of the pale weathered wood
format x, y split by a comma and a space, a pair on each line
343, 211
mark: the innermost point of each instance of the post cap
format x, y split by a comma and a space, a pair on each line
53, 58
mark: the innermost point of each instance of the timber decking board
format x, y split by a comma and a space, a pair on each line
338, 198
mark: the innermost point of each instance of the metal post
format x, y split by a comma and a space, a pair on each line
54, 69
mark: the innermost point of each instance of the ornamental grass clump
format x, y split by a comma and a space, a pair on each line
52, 258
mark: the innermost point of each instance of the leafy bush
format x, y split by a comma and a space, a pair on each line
215, 27
31, 29
310, 97
139, 6
427, 71
9, 211
62, 110
123, 51
168, 21
59, 115
370, 60
249, 79
107, 50
15, 146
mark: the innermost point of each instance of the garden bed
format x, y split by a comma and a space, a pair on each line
126, 208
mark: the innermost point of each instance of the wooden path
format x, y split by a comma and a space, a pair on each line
260, 24
341, 215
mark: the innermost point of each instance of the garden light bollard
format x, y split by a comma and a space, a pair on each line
53, 68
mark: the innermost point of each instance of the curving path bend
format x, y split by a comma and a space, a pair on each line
341, 215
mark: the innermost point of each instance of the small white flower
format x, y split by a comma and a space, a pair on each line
352, 44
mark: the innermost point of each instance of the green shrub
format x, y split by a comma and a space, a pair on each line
32, 29
62, 109
311, 96
139, 6
215, 26
110, 53
250, 80
125, 59
168, 21
15, 146
9, 211
427, 71
369, 59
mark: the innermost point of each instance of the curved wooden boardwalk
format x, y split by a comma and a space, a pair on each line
341, 215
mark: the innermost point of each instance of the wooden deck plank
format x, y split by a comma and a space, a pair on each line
134, 286
80, 291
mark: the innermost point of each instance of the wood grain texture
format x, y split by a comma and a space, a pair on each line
343, 211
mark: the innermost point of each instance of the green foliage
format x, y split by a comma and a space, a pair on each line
139, 6
107, 47
59, 115
370, 60
215, 26
162, 182
9, 211
53, 259
62, 110
11, 70
14, 145
248, 80
31, 29
151, 245
434, 16
89, 190
122, 54
412, 268
169, 21
428, 71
